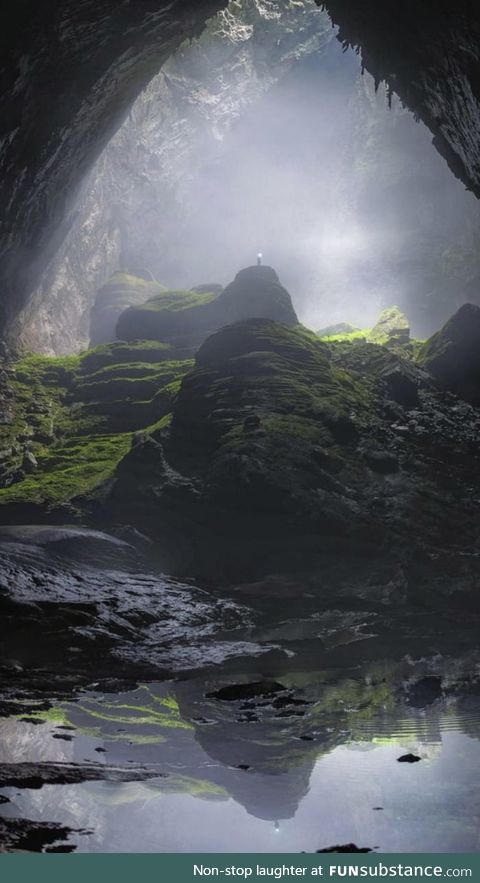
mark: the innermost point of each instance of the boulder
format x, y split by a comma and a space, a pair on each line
452, 355
392, 327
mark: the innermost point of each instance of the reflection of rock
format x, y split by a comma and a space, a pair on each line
23, 835
266, 766
347, 847
409, 758
425, 691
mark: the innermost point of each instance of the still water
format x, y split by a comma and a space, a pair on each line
294, 766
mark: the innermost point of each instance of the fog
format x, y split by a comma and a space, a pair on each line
344, 196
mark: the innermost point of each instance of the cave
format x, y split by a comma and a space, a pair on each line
240, 415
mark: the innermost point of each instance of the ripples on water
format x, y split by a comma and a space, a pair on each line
289, 795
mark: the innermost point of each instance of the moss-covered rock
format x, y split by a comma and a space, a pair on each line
392, 327
339, 329
71, 421
184, 319
121, 291
452, 355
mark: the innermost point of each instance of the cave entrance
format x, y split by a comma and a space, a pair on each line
263, 134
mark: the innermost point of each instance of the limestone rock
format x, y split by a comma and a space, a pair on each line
121, 291
392, 327
186, 318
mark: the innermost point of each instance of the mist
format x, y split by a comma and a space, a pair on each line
344, 195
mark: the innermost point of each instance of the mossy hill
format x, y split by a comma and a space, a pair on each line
185, 319
392, 328
67, 422
294, 449
306, 452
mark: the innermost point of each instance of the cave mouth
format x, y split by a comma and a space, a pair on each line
238, 548
262, 134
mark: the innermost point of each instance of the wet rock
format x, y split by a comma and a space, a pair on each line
408, 758
36, 775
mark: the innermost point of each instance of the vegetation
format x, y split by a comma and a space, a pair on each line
71, 419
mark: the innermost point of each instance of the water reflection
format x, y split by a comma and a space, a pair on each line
288, 764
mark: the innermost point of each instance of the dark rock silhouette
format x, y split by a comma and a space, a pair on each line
452, 355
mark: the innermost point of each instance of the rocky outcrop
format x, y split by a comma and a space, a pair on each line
302, 452
391, 327
452, 355
340, 458
121, 291
184, 319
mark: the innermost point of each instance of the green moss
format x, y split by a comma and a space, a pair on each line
363, 334
74, 470
120, 352
177, 301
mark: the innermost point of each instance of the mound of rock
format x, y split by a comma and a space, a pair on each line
452, 355
121, 291
184, 319
392, 327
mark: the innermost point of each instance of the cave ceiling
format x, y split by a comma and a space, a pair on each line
71, 70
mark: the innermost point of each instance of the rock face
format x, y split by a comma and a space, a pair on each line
121, 291
44, 50
452, 355
302, 453
185, 319
392, 327
429, 51
273, 453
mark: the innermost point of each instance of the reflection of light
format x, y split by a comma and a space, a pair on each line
276, 826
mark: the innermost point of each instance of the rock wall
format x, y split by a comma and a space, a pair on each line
69, 73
